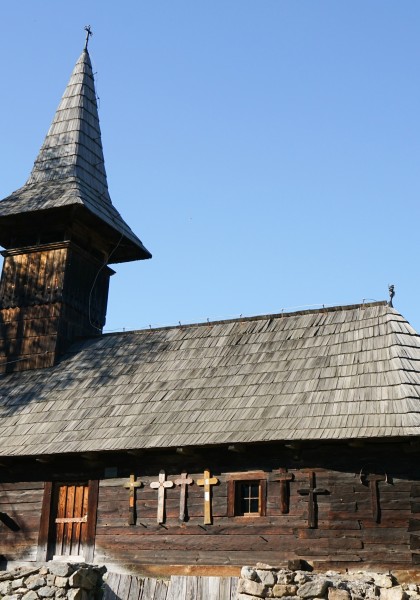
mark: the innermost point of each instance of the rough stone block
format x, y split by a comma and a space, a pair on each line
383, 581
46, 592
281, 590
338, 594
61, 582
62, 569
298, 564
264, 567
300, 577
249, 573
84, 578
12, 597
17, 583
252, 588
394, 593
33, 582
5, 587
50, 579
315, 589
61, 593
266, 577
246, 597
360, 577
31, 595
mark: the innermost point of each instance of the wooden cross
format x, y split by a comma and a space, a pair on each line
183, 481
373, 481
207, 482
284, 479
161, 485
312, 492
132, 485
88, 34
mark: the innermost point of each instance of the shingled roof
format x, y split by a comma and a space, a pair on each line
70, 169
330, 374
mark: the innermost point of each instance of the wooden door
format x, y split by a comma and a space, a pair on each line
68, 521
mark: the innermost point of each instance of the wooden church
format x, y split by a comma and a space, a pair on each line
187, 449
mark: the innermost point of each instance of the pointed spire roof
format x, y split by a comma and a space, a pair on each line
70, 168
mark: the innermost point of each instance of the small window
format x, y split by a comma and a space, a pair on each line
246, 496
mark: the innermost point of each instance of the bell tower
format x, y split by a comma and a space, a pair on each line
60, 231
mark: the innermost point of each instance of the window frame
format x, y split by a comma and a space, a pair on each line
233, 482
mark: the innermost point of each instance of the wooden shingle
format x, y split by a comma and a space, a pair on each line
261, 379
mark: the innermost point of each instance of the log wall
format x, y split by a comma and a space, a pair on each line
346, 532
20, 511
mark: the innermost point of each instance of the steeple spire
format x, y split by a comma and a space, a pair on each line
60, 231
70, 169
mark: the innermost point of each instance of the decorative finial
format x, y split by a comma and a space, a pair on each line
391, 295
88, 34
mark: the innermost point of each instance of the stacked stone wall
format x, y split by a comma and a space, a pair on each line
264, 581
55, 580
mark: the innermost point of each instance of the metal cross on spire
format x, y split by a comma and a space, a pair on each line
88, 34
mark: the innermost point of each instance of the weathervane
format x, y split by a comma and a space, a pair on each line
88, 34
391, 294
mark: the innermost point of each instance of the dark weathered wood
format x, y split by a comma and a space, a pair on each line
312, 493
183, 481
345, 532
44, 526
284, 477
92, 508
47, 300
263, 497
373, 481
231, 497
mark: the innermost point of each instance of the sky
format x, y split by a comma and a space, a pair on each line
266, 153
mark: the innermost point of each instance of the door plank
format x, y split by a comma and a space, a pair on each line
44, 526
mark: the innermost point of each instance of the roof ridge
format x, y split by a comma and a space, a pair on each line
282, 315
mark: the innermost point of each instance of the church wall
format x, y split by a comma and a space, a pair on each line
345, 530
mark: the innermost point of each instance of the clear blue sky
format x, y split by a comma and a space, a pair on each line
266, 152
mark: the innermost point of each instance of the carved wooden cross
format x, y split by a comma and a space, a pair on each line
161, 485
183, 481
132, 485
284, 479
373, 481
88, 34
312, 492
207, 482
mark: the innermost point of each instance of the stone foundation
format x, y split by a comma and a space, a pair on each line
66, 581
263, 581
